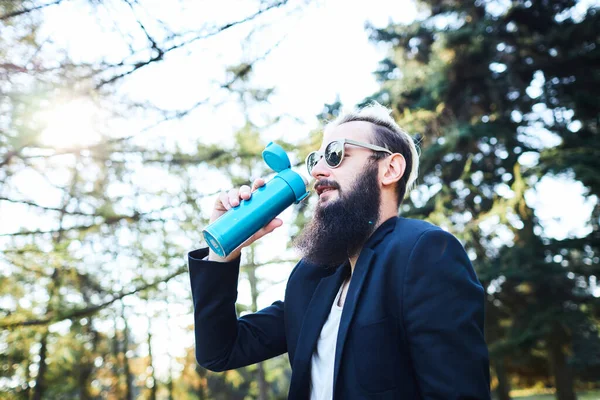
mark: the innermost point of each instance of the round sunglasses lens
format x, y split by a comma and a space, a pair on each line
334, 153
311, 160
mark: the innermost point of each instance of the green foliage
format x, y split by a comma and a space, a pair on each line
581, 396
479, 82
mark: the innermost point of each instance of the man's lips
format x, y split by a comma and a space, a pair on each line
325, 186
324, 189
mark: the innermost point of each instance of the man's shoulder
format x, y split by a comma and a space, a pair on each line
409, 233
409, 228
417, 224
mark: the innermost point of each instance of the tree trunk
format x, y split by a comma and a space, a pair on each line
151, 362
53, 290
85, 371
202, 388
84, 375
253, 281
262, 382
115, 350
86, 363
563, 375
503, 389
27, 390
170, 386
40, 384
128, 377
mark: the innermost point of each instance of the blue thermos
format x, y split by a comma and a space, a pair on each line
239, 223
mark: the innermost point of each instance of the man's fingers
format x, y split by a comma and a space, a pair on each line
223, 199
228, 199
270, 227
234, 198
257, 183
274, 224
245, 192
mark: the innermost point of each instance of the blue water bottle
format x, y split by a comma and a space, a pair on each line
239, 223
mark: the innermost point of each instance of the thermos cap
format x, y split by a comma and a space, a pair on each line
296, 182
278, 160
275, 157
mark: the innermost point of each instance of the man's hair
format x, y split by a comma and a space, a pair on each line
389, 135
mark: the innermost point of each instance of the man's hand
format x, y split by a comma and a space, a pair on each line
227, 200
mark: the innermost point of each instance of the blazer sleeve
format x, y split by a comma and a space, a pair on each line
224, 341
443, 311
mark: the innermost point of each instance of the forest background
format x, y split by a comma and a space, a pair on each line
121, 119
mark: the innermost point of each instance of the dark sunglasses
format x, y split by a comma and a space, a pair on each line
334, 153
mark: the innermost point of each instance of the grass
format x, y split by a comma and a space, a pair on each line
593, 395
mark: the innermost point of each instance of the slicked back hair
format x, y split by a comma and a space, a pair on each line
387, 134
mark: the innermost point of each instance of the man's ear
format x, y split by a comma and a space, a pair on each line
392, 169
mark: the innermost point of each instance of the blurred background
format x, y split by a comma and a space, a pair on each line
120, 120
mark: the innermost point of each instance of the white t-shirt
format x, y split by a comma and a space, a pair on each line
323, 358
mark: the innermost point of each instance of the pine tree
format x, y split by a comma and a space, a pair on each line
480, 82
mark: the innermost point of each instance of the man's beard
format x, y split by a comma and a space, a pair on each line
340, 227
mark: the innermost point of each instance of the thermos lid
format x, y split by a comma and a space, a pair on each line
296, 182
275, 157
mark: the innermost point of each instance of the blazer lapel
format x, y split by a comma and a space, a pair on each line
317, 312
319, 308
361, 270
356, 284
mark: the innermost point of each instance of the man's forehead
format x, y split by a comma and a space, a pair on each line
355, 130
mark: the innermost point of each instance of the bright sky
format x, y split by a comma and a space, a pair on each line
324, 53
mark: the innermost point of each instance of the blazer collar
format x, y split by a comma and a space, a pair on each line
352, 298
376, 237
361, 270
314, 318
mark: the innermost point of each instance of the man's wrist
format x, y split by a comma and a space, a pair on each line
212, 256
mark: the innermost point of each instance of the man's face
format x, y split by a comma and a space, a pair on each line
332, 182
347, 214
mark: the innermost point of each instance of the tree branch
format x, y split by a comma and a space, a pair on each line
86, 311
29, 203
143, 28
27, 10
110, 220
161, 52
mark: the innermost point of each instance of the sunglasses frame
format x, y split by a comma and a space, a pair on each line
321, 154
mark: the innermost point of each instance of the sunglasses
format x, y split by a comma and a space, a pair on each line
334, 153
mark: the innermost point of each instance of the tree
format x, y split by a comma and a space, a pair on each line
481, 83
103, 213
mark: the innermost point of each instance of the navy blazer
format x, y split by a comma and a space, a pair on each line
411, 326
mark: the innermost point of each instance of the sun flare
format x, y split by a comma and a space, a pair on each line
70, 124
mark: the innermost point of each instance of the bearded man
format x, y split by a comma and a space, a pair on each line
379, 306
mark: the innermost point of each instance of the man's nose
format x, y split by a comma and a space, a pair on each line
320, 169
